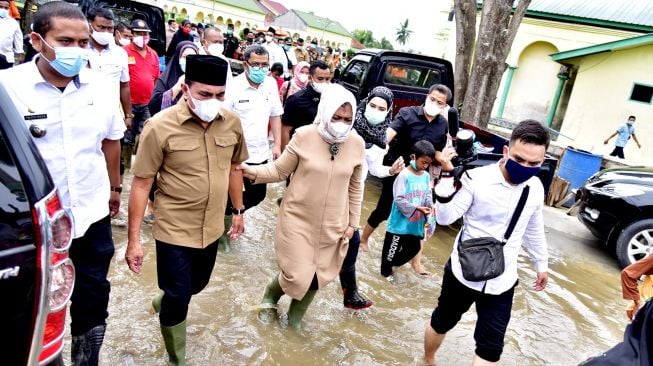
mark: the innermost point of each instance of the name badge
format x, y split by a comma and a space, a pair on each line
35, 116
131, 60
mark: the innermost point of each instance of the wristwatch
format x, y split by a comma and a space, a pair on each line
116, 189
238, 211
130, 115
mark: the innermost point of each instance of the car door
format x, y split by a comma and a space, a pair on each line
355, 73
18, 260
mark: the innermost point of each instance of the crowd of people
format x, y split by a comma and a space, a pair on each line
203, 157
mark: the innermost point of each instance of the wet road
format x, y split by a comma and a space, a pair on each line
579, 314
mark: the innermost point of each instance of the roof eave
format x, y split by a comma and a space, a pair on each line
603, 47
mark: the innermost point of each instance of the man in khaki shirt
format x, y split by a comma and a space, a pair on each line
194, 147
300, 52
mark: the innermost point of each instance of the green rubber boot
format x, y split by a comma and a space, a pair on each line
174, 339
298, 309
224, 243
156, 303
271, 297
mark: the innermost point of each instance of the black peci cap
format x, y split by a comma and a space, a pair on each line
206, 69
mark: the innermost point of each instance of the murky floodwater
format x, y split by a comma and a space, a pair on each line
578, 315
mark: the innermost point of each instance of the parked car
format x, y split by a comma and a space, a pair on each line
36, 275
410, 76
123, 11
616, 205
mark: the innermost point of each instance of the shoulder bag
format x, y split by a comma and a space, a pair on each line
481, 259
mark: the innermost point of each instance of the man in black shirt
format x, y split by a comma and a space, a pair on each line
300, 110
301, 107
412, 124
231, 42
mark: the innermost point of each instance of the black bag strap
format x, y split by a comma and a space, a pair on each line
515, 215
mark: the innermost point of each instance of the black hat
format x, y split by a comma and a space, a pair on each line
272, 30
139, 25
206, 69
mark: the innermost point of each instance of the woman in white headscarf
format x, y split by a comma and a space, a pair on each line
321, 207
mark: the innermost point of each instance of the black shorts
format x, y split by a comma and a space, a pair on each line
398, 249
493, 314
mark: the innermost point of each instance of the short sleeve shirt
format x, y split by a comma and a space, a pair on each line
255, 107
301, 108
411, 126
143, 72
623, 134
112, 63
193, 166
77, 120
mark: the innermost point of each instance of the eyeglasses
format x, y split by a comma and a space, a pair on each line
258, 66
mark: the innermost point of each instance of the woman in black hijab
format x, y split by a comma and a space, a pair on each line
167, 89
182, 34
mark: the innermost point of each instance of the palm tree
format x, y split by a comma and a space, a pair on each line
403, 33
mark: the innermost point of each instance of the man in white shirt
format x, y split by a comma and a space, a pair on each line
81, 149
255, 98
486, 200
11, 38
213, 44
277, 54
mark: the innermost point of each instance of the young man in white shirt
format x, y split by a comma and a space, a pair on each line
213, 44
11, 38
255, 98
82, 152
486, 200
277, 54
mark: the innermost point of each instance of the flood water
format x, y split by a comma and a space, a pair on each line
579, 314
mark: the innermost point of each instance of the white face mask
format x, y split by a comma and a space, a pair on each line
374, 116
432, 109
124, 41
182, 64
215, 49
141, 41
268, 39
206, 110
303, 78
102, 38
339, 129
320, 87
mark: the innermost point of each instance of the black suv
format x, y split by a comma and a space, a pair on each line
616, 205
36, 275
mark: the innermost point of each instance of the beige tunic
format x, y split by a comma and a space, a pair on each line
322, 200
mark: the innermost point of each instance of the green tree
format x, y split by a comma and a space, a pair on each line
366, 37
385, 44
403, 33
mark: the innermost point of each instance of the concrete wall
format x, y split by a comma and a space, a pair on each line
599, 102
533, 85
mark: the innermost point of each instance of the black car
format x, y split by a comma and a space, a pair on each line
616, 205
36, 275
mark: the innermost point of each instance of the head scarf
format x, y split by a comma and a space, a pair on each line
298, 70
173, 70
374, 135
332, 98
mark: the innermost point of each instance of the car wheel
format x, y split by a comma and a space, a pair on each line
635, 242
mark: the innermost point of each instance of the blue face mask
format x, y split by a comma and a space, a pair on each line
413, 163
257, 76
4, 13
518, 173
182, 65
68, 61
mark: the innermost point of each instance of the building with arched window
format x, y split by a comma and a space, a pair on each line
581, 67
